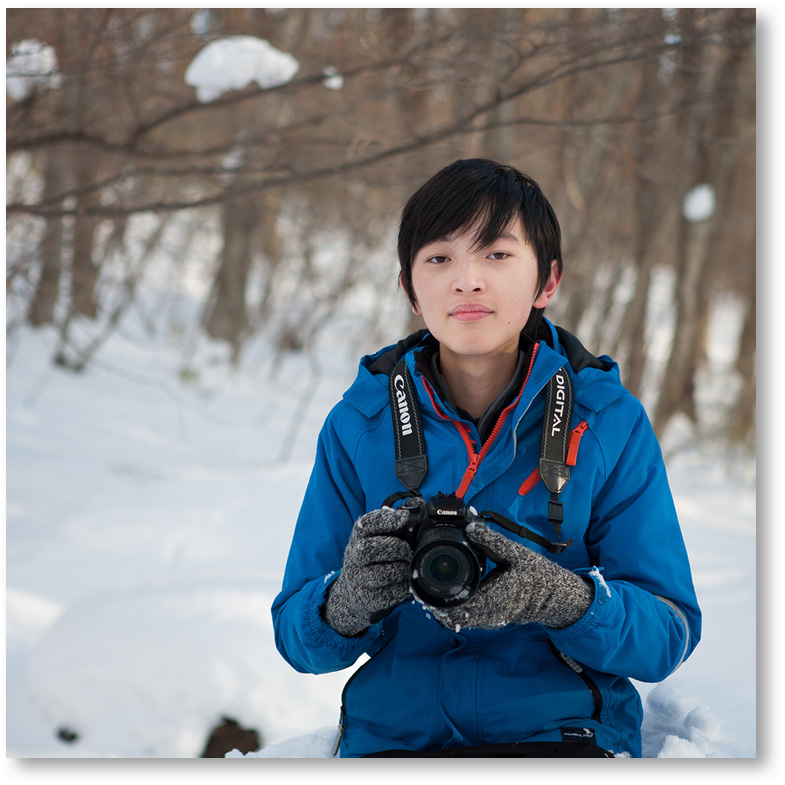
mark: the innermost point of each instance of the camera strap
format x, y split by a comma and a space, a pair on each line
554, 471
411, 462
527, 534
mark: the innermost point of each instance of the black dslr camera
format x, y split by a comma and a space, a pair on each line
446, 568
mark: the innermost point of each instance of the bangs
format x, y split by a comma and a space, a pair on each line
483, 209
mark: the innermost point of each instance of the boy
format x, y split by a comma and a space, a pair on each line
587, 582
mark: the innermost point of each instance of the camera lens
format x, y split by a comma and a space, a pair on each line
445, 573
443, 567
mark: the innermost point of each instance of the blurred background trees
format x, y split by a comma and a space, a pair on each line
270, 208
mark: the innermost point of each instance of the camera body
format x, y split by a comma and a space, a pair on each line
445, 568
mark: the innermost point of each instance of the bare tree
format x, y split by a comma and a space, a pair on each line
617, 112
707, 158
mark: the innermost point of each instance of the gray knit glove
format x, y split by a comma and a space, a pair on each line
524, 587
375, 574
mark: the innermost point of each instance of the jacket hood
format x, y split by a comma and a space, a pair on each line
369, 391
596, 379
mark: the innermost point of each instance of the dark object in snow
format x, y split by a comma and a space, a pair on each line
230, 736
67, 735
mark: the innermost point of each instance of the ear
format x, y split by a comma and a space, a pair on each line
412, 304
549, 288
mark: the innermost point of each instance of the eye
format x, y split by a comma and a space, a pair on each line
437, 259
499, 256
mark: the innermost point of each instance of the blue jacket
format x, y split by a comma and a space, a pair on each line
427, 687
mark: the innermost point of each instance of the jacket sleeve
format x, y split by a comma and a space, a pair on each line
644, 620
333, 501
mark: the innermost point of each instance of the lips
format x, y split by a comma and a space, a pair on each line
470, 312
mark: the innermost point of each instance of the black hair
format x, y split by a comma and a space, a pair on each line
484, 197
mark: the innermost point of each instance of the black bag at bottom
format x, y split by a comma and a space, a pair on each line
518, 749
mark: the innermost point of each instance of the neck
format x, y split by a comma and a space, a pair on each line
475, 384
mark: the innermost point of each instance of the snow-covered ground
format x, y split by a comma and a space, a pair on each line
148, 521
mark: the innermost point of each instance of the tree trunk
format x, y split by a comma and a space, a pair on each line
226, 317
741, 420
84, 266
705, 161
647, 219
50, 248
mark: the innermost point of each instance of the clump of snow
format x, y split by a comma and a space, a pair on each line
675, 747
595, 573
311, 745
678, 724
234, 62
31, 64
333, 80
699, 203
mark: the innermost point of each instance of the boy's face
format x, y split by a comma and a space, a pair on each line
476, 301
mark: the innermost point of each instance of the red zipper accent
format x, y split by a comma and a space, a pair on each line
575, 440
471, 470
474, 458
572, 456
529, 482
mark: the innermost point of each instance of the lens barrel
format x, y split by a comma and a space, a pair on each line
445, 568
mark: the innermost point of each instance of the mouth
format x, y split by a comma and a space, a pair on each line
470, 312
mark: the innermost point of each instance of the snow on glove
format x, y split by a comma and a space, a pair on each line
375, 574
524, 587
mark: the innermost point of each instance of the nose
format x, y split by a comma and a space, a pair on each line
469, 276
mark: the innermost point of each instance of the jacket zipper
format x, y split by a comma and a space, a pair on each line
587, 680
476, 458
474, 462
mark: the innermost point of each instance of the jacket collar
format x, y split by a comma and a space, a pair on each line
596, 379
430, 369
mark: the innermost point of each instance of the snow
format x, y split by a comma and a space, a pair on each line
311, 745
147, 527
234, 62
32, 64
595, 572
699, 203
333, 80
678, 724
148, 522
